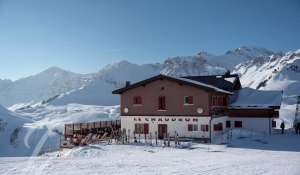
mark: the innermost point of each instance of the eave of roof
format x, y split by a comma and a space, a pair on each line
180, 80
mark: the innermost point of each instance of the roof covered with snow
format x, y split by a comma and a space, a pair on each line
183, 80
226, 82
249, 98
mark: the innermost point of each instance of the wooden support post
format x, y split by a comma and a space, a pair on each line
128, 135
150, 136
73, 129
80, 128
65, 131
125, 134
176, 139
168, 139
134, 137
156, 138
139, 138
88, 128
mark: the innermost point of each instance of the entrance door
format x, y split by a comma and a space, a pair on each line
162, 130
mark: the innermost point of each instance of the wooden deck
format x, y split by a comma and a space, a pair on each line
93, 132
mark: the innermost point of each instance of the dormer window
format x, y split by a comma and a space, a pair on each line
137, 100
188, 100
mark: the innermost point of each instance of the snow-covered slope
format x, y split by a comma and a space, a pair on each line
98, 92
11, 130
46, 84
33, 129
239, 55
277, 72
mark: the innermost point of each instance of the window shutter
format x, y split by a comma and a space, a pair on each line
191, 100
146, 128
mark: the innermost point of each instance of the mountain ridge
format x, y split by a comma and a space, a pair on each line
55, 81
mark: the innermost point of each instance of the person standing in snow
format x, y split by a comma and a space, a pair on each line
298, 128
282, 126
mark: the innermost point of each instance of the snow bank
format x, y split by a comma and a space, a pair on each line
42, 133
11, 130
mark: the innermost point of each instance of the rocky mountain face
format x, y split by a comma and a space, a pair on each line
275, 72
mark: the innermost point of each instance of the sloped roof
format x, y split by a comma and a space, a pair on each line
182, 80
225, 82
252, 98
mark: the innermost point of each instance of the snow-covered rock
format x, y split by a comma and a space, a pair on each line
276, 72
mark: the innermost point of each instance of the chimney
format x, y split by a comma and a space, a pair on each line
127, 83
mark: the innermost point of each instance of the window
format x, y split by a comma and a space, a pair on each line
228, 124
162, 103
195, 127
219, 101
238, 124
204, 128
137, 100
141, 128
273, 124
218, 127
188, 100
214, 101
192, 127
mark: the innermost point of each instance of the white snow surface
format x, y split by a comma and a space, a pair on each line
276, 155
12, 126
277, 72
247, 97
42, 125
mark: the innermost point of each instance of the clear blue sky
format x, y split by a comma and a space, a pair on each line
85, 35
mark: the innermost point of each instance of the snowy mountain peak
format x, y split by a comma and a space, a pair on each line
250, 51
190, 65
55, 71
276, 72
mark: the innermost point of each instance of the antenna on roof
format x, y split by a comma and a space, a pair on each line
227, 73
